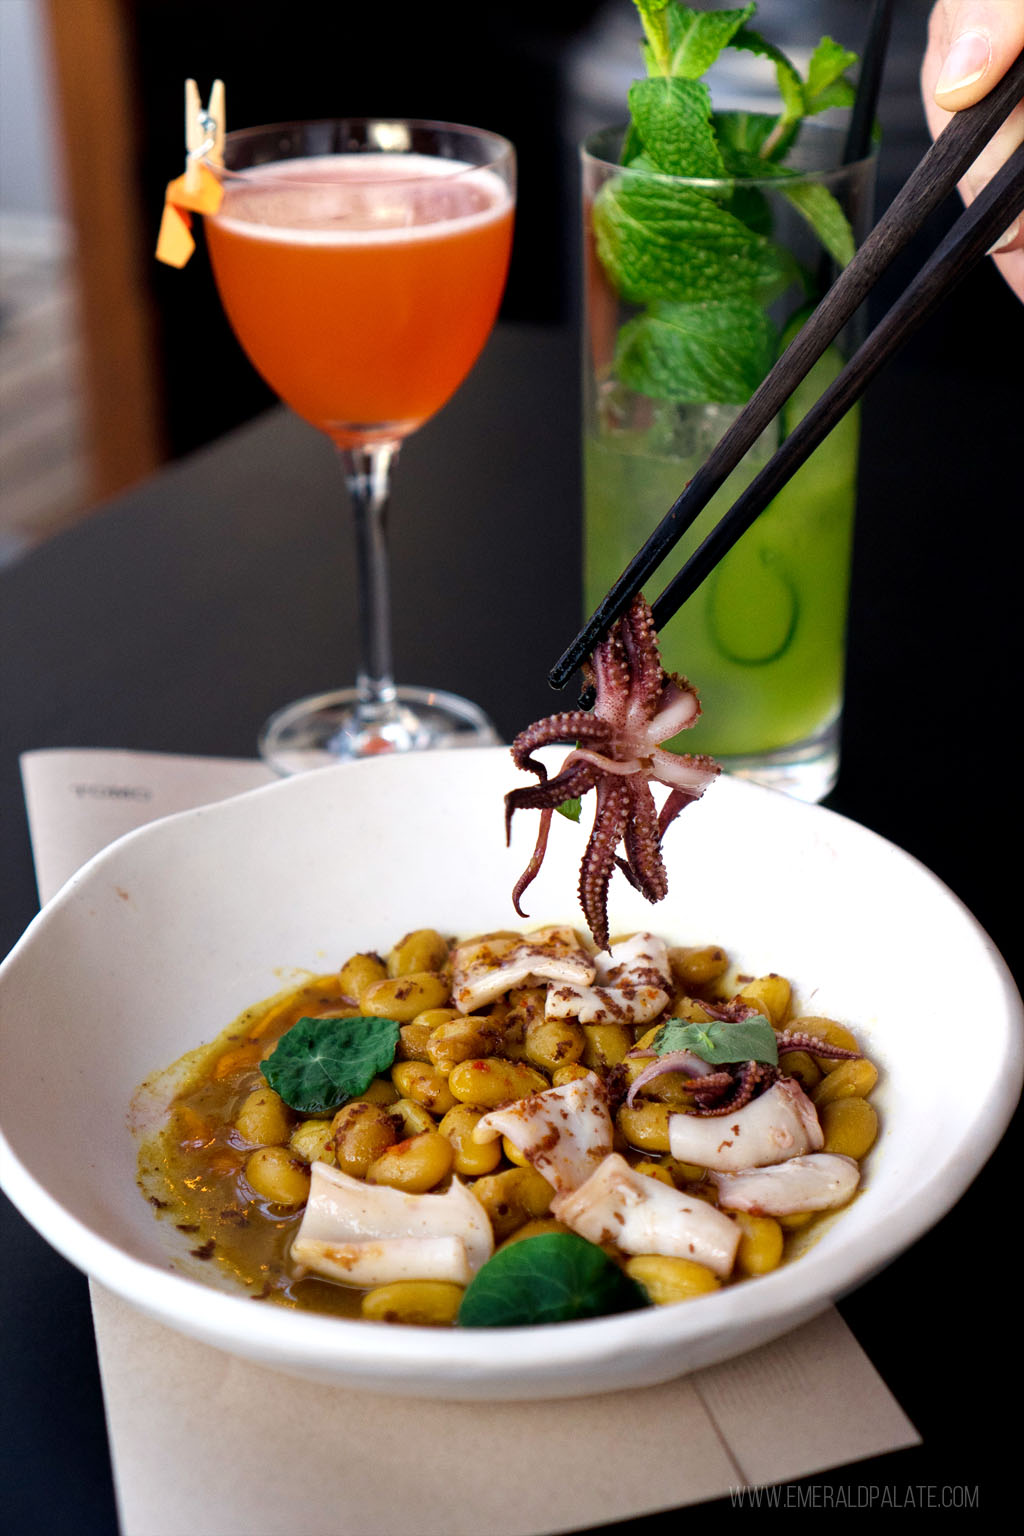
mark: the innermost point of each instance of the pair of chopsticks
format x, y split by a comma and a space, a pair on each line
978, 228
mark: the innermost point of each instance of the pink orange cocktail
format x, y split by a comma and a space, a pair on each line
363, 286
361, 262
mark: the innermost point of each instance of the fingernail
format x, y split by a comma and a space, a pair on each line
1006, 238
966, 62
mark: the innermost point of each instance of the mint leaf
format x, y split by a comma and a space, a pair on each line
319, 1063
654, 20
741, 135
695, 352
740, 138
696, 38
553, 1278
660, 240
825, 70
825, 216
791, 89
673, 120
720, 1041
571, 809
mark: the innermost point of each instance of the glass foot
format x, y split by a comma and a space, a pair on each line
328, 728
807, 770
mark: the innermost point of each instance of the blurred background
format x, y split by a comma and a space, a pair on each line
110, 364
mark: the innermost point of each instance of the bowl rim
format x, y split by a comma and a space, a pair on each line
331, 1344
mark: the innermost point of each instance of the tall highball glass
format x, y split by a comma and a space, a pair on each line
763, 639
361, 263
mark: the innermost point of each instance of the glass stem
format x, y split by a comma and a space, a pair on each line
368, 477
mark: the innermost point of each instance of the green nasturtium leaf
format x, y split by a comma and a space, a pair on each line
319, 1063
695, 352
554, 1278
721, 1041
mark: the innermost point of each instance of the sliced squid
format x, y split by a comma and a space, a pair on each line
485, 969
814, 1183
631, 985
640, 1214
780, 1124
370, 1234
564, 1132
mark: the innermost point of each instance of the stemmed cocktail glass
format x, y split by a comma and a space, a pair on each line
361, 263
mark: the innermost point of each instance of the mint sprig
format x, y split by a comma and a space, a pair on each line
721, 1041
709, 246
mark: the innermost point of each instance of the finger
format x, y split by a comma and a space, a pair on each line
944, 20
1012, 268
982, 39
995, 154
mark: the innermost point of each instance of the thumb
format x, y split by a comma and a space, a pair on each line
978, 41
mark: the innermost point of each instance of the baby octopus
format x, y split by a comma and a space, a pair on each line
618, 752
736, 1084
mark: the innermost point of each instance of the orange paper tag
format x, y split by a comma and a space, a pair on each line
175, 244
206, 198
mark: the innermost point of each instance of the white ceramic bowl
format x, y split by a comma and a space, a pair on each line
161, 940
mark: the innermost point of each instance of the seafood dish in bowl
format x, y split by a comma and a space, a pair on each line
375, 1142
165, 938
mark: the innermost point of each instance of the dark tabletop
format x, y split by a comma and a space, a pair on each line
180, 616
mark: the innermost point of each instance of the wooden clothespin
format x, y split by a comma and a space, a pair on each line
198, 190
204, 131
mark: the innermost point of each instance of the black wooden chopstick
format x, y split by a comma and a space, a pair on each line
933, 179
967, 242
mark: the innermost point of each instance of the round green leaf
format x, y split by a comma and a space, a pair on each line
553, 1278
319, 1063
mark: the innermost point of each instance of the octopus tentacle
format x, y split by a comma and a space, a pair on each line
733, 1012
640, 641
599, 856
550, 793
751, 1076
710, 1087
624, 770
643, 843
532, 869
800, 1040
570, 726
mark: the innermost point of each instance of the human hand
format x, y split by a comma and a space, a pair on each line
971, 44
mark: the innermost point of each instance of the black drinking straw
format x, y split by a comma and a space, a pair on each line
869, 84
931, 181
861, 127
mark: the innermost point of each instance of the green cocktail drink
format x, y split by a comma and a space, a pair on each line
709, 237
764, 638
